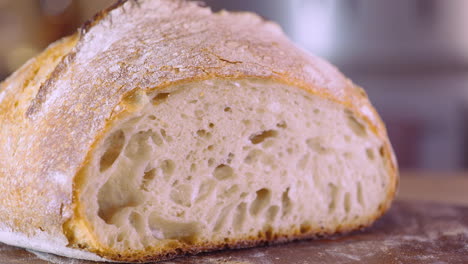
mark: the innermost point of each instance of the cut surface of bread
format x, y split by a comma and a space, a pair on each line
162, 129
214, 162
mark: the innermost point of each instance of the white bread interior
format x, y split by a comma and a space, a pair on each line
224, 159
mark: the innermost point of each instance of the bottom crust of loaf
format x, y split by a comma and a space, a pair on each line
263, 239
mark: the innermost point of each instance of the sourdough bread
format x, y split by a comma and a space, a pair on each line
162, 129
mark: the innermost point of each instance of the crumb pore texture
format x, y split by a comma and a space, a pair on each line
220, 160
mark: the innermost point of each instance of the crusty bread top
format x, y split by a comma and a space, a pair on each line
57, 105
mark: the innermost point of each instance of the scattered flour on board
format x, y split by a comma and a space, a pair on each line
258, 255
456, 231
227, 261
55, 259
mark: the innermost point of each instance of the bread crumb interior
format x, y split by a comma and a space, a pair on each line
219, 160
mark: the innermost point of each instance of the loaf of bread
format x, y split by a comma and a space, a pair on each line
162, 129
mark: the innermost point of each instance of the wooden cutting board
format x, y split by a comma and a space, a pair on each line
411, 232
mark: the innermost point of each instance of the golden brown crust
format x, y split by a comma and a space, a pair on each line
24, 198
143, 45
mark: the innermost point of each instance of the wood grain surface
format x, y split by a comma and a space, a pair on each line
411, 232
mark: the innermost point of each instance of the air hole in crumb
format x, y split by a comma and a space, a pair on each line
227, 109
268, 143
316, 111
114, 144
240, 216
211, 125
222, 218
211, 162
148, 177
182, 194
137, 147
206, 189
204, 134
223, 172
282, 125
260, 137
190, 155
138, 223
347, 202
180, 214
157, 139
268, 232
305, 228
316, 144
370, 154
210, 147
165, 136
246, 122
193, 167
333, 193
382, 151
168, 168
356, 126
272, 212
253, 156
121, 237
286, 204
261, 201
152, 117
231, 192
114, 198
230, 157
161, 228
360, 196
159, 98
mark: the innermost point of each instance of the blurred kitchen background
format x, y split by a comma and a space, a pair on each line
410, 56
